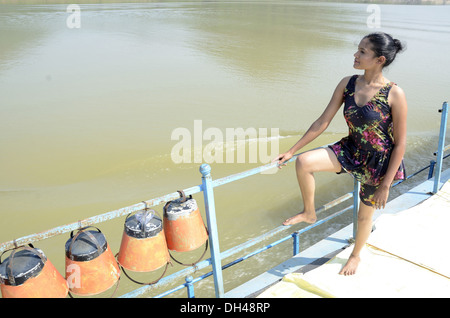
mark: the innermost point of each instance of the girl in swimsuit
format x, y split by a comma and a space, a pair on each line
375, 110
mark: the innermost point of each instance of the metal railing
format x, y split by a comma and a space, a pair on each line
215, 261
441, 146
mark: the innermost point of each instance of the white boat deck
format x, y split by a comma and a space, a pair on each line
403, 258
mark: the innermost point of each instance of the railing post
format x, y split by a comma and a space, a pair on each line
208, 195
355, 206
296, 242
440, 153
190, 286
431, 171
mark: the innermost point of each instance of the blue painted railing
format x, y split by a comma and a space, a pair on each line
215, 261
441, 146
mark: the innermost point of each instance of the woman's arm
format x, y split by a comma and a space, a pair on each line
399, 109
320, 124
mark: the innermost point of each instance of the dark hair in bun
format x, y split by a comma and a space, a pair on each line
385, 45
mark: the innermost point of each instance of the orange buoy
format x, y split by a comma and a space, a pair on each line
90, 265
28, 273
143, 247
183, 225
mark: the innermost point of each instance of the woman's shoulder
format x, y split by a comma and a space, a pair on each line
345, 80
396, 96
349, 80
345, 83
396, 91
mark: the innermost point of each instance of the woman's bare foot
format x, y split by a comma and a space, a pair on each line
351, 266
308, 217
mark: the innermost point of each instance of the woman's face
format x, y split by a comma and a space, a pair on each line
365, 58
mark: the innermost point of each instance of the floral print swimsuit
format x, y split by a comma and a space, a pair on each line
365, 152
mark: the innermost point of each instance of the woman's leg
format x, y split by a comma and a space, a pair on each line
365, 215
322, 159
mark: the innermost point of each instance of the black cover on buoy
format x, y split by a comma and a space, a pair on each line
25, 265
143, 225
84, 248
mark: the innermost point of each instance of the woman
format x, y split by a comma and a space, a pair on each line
375, 111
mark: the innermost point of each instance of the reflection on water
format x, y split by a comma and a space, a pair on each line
87, 114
